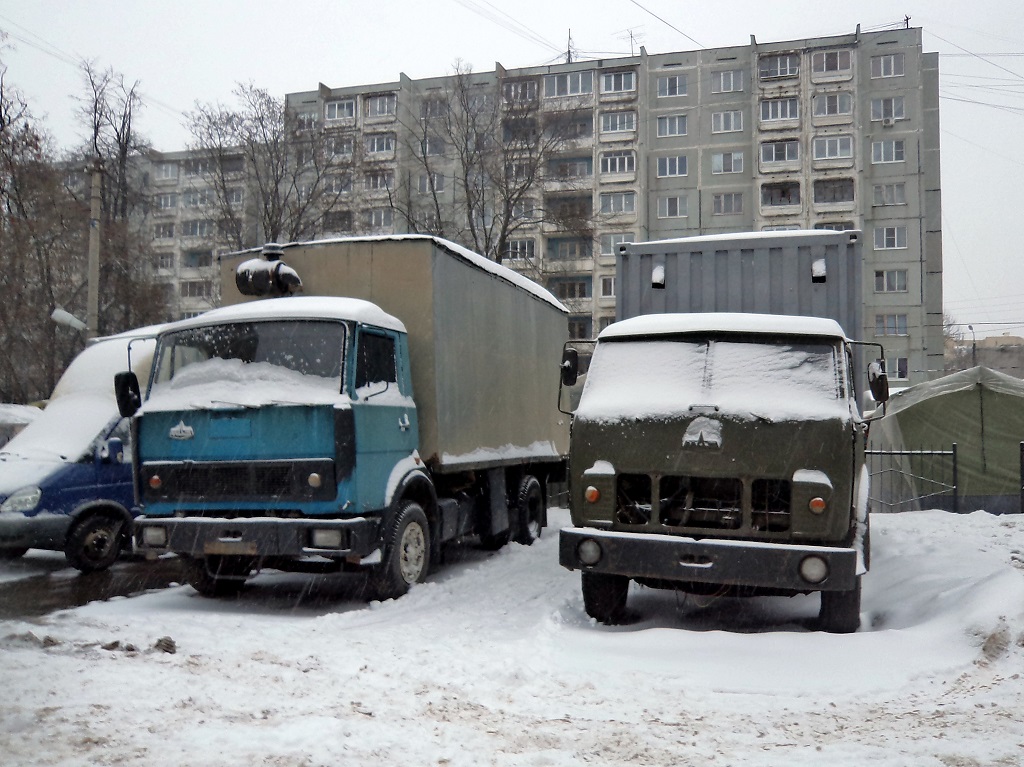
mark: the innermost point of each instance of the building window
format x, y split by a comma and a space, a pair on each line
165, 261
888, 151
617, 122
607, 287
829, 190
780, 109
727, 162
167, 201
780, 151
897, 368
234, 195
381, 105
890, 324
610, 242
672, 125
569, 84
727, 81
618, 82
198, 167
196, 288
520, 91
380, 180
836, 226
728, 203
338, 221
340, 110
831, 61
166, 171
197, 198
672, 207
379, 218
891, 281
832, 104
671, 85
433, 146
197, 259
340, 146
618, 202
833, 147
890, 194
431, 182
672, 166
568, 249
517, 250
197, 228
888, 108
727, 122
377, 143
889, 65
433, 107
570, 208
338, 184
890, 237
786, 193
579, 327
568, 290
163, 231
779, 65
618, 162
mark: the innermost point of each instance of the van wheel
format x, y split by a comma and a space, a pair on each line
529, 511
9, 554
217, 576
406, 554
604, 597
840, 610
95, 542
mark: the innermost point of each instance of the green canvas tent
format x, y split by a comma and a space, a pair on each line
982, 411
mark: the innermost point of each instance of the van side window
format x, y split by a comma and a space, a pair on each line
376, 359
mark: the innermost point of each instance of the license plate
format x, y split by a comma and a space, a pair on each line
229, 548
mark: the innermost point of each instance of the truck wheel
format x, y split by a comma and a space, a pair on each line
840, 610
406, 554
95, 542
604, 596
529, 511
217, 576
9, 554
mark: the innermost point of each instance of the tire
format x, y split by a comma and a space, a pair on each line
840, 611
529, 511
9, 554
604, 597
406, 554
217, 576
95, 542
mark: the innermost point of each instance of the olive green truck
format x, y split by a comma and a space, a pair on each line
722, 452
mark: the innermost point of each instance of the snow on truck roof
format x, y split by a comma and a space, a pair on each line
452, 248
726, 322
296, 308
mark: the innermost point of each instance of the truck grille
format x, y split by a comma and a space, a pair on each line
702, 503
241, 481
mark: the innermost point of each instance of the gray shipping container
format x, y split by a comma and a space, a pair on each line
485, 343
808, 273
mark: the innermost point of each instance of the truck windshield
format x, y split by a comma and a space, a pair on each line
308, 347
767, 379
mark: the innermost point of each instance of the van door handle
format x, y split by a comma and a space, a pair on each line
404, 423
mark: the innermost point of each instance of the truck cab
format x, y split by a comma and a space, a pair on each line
720, 454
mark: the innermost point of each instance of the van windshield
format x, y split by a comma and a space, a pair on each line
768, 379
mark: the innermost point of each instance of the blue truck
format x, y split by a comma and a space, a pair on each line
407, 400
65, 479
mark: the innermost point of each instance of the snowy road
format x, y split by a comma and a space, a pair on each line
494, 663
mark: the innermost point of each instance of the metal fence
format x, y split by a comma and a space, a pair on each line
909, 480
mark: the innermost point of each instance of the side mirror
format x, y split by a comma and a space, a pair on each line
878, 382
112, 451
570, 366
127, 393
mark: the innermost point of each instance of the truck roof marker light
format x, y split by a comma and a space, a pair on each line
155, 482
592, 494
817, 505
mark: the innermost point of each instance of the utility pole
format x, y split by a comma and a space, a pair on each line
92, 319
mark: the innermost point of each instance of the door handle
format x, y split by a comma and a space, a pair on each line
404, 423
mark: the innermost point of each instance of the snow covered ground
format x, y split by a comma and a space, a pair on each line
494, 662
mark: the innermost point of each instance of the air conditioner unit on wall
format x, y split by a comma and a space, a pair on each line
888, 122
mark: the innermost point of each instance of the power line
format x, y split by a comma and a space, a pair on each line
667, 24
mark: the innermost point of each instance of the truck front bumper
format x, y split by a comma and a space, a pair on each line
257, 537
714, 561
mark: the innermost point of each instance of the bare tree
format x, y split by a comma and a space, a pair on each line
286, 166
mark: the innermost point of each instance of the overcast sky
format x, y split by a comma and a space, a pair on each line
186, 51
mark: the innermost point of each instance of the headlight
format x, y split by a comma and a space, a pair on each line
22, 500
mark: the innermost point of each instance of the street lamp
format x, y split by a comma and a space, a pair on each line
62, 317
974, 347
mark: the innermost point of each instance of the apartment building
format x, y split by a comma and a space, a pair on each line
836, 132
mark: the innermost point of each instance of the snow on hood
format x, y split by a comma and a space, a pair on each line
18, 414
217, 384
63, 432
